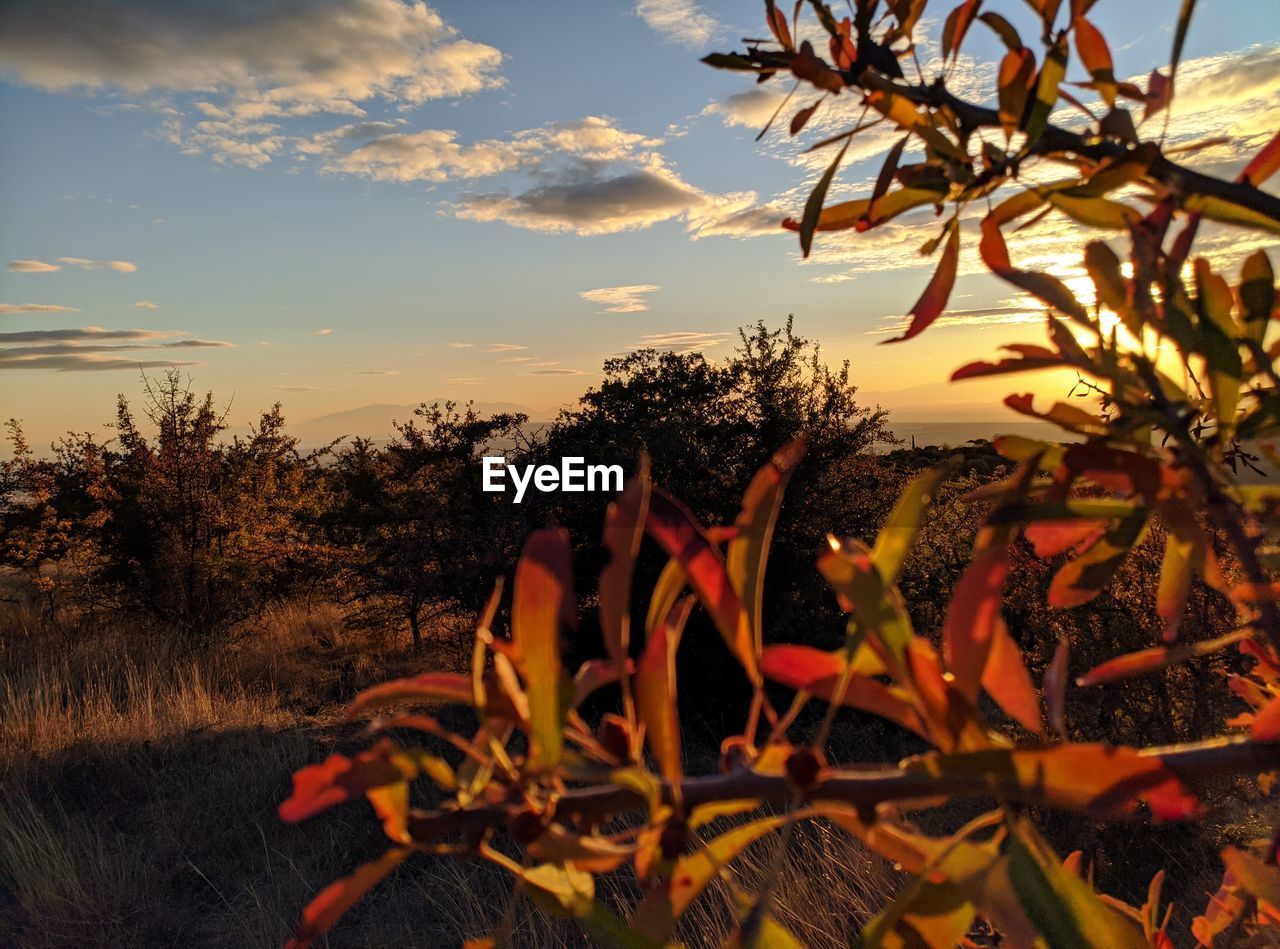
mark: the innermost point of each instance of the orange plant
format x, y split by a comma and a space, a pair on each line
1181, 359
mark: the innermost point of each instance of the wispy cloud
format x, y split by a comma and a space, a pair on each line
516, 359
323, 331
464, 381
679, 21
376, 372
32, 266
119, 266
36, 308
303, 388
621, 299
681, 341
557, 372
92, 348
504, 348
459, 345
146, 305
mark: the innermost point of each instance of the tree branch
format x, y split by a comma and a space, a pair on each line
1194, 764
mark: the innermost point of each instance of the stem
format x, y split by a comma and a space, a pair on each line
865, 788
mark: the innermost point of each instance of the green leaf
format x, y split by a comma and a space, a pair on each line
898, 535
1051, 75
813, 207
657, 915
1063, 907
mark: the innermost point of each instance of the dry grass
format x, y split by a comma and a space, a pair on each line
138, 786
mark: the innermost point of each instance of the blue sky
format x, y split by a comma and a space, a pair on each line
356, 201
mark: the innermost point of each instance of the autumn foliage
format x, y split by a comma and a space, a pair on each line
1181, 360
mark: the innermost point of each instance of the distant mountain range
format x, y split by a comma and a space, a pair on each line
376, 421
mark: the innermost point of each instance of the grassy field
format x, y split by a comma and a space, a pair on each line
139, 782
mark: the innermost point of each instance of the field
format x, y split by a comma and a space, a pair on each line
140, 783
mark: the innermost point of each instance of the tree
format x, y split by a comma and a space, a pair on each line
412, 516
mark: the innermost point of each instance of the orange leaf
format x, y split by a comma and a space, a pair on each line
1029, 357
428, 687
1264, 164
1152, 660
542, 605
1266, 724
656, 690
335, 899
1096, 56
1007, 680
1017, 73
677, 532
934, 299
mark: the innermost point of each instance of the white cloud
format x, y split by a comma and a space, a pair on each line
32, 266
36, 308
250, 63
146, 305
679, 21
324, 331
459, 345
621, 299
376, 372
504, 348
681, 341
119, 266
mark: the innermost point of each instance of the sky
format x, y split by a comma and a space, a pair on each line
334, 203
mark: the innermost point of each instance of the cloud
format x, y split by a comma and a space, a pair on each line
146, 305
119, 266
383, 151
589, 201
459, 345
681, 341
36, 308
679, 21
748, 222
464, 381
92, 348
302, 388
621, 299
504, 348
516, 359
323, 331
32, 266
250, 63
751, 109
558, 372
376, 372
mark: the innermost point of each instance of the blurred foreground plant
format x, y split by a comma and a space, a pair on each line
1181, 360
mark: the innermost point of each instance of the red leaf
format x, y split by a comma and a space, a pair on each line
1055, 689
623, 531
973, 618
327, 907
674, 528
1050, 538
801, 118
995, 253
320, 786
818, 673
1152, 660
934, 299
1030, 357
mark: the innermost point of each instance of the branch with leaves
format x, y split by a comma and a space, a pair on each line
1183, 362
